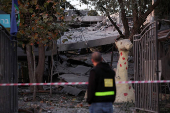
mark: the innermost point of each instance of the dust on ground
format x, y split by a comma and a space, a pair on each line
69, 99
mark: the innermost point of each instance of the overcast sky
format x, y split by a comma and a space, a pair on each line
78, 5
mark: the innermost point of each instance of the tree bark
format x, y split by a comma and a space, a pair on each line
41, 63
34, 76
168, 54
52, 63
30, 64
135, 13
124, 19
141, 19
135, 19
150, 9
117, 28
112, 57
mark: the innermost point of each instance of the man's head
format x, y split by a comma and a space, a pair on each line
96, 58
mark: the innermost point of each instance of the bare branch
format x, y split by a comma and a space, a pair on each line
114, 23
150, 9
142, 18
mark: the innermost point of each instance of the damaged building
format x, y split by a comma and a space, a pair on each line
85, 32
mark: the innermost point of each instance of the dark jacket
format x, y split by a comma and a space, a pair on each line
97, 78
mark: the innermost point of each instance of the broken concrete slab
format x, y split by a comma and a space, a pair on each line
88, 61
84, 18
78, 62
80, 57
63, 57
80, 70
46, 87
73, 78
71, 90
94, 35
114, 65
87, 44
107, 57
60, 69
72, 69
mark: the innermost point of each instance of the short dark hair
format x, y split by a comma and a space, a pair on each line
97, 57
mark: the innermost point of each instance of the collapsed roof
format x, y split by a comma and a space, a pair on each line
100, 33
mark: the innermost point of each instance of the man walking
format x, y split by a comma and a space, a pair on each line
101, 91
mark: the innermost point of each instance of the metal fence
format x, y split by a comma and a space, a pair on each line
8, 72
146, 68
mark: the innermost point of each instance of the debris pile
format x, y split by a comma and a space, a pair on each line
58, 103
93, 34
73, 67
66, 99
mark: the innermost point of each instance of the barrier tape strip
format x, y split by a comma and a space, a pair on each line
80, 83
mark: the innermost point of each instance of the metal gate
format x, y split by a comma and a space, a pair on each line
146, 68
8, 72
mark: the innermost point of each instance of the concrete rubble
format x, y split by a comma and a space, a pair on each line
69, 99
71, 90
80, 70
73, 78
75, 67
94, 34
60, 103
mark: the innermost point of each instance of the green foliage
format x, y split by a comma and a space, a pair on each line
41, 20
112, 6
163, 10
64, 40
6, 6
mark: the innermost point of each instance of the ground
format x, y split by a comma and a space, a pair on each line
57, 103
64, 102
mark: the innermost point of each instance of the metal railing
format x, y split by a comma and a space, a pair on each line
146, 68
8, 72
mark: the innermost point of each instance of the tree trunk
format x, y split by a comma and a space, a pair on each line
168, 54
112, 57
52, 63
30, 64
41, 63
124, 19
34, 76
134, 30
141, 19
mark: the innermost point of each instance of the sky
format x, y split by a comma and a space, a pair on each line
79, 5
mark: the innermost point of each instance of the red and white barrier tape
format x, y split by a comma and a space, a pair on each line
80, 83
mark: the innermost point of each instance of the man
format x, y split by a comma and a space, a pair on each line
101, 91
